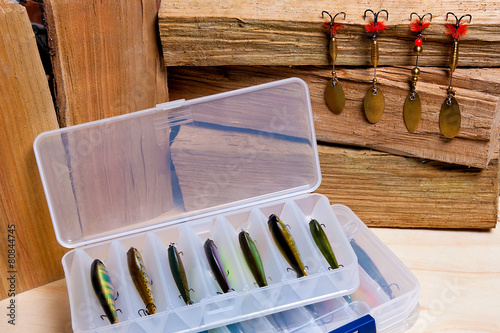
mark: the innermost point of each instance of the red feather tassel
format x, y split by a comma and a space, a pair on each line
456, 32
417, 27
332, 29
375, 27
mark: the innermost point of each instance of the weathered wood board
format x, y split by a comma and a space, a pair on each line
211, 33
473, 146
106, 58
386, 190
383, 189
26, 109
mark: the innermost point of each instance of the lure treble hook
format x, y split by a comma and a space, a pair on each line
375, 15
459, 20
332, 21
421, 18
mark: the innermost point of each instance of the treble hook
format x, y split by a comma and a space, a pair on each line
332, 19
459, 20
421, 18
375, 16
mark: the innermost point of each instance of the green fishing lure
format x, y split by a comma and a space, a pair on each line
286, 244
252, 258
319, 236
103, 288
141, 279
179, 274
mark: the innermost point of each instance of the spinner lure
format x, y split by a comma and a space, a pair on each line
412, 109
449, 116
103, 288
179, 273
252, 258
373, 102
334, 93
285, 243
141, 279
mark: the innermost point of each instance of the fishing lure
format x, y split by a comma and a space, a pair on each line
412, 109
319, 236
449, 116
334, 93
286, 244
252, 257
179, 274
216, 266
141, 279
103, 288
371, 269
374, 102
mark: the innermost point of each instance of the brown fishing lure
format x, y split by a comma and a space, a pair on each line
285, 243
141, 279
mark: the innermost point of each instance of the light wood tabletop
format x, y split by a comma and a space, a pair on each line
459, 274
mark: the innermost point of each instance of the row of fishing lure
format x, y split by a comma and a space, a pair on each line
102, 285
373, 102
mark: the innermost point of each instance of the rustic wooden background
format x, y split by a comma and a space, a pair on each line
107, 61
290, 33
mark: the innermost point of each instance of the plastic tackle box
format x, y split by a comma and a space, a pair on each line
184, 172
386, 302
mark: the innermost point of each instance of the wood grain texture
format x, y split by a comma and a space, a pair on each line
476, 91
105, 57
214, 33
394, 191
416, 193
449, 287
26, 109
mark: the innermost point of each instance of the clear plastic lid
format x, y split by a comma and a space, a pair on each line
180, 160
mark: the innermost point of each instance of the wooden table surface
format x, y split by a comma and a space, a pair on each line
459, 274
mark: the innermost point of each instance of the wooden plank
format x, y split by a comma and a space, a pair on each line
26, 109
394, 191
289, 32
476, 89
105, 57
417, 193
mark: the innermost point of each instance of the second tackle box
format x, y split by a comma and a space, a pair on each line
183, 174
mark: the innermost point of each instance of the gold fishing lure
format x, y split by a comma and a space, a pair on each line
412, 109
141, 279
103, 288
285, 243
374, 102
334, 93
450, 118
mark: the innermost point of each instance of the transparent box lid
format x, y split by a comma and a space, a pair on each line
177, 161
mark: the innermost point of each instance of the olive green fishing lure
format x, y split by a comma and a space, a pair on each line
286, 244
101, 282
141, 279
252, 258
319, 236
179, 274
